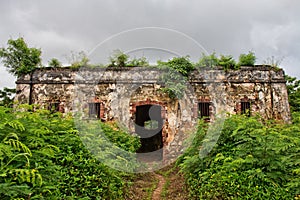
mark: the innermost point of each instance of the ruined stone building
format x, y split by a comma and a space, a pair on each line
134, 97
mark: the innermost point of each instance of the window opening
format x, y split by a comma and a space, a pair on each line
94, 110
203, 109
245, 108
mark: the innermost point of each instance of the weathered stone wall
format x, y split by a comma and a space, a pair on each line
121, 90
263, 87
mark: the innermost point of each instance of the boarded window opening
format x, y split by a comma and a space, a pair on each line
245, 108
94, 110
203, 110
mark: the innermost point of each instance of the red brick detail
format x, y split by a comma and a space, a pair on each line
163, 112
195, 110
245, 99
102, 105
148, 101
204, 99
102, 110
133, 106
238, 107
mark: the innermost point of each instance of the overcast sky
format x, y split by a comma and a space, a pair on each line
267, 27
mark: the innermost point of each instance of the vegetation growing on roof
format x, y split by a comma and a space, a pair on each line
120, 59
78, 60
175, 76
247, 59
19, 59
226, 61
55, 63
273, 62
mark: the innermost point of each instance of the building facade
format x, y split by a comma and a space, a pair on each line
135, 97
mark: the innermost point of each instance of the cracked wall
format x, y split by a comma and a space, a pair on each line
120, 90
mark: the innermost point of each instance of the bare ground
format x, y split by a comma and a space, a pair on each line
167, 183
159, 188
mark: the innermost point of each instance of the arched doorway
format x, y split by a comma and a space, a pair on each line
148, 125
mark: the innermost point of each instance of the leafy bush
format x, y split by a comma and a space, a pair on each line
208, 61
293, 88
227, 62
54, 63
7, 96
118, 59
138, 62
182, 65
253, 159
175, 76
43, 157
247, 59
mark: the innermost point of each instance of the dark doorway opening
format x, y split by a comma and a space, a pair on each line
94, 110
148, 125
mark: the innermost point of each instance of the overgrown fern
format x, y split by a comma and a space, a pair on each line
253, 159
42, 156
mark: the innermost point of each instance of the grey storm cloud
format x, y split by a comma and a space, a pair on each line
267, 27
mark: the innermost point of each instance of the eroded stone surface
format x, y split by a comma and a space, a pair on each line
121, 90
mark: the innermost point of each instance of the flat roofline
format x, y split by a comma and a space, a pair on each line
255, 67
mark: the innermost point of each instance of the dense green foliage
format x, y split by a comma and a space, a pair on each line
120, 59
140, 62
114, 148
7, 97
226, 61
19, 58
208, 60
181, 65
54, 63
175, 75
253, 159
293, 87
247, 59
43, 157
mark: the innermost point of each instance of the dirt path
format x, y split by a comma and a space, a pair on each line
157, 192
164, 184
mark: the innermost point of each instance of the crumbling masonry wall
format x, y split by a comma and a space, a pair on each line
120, 90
